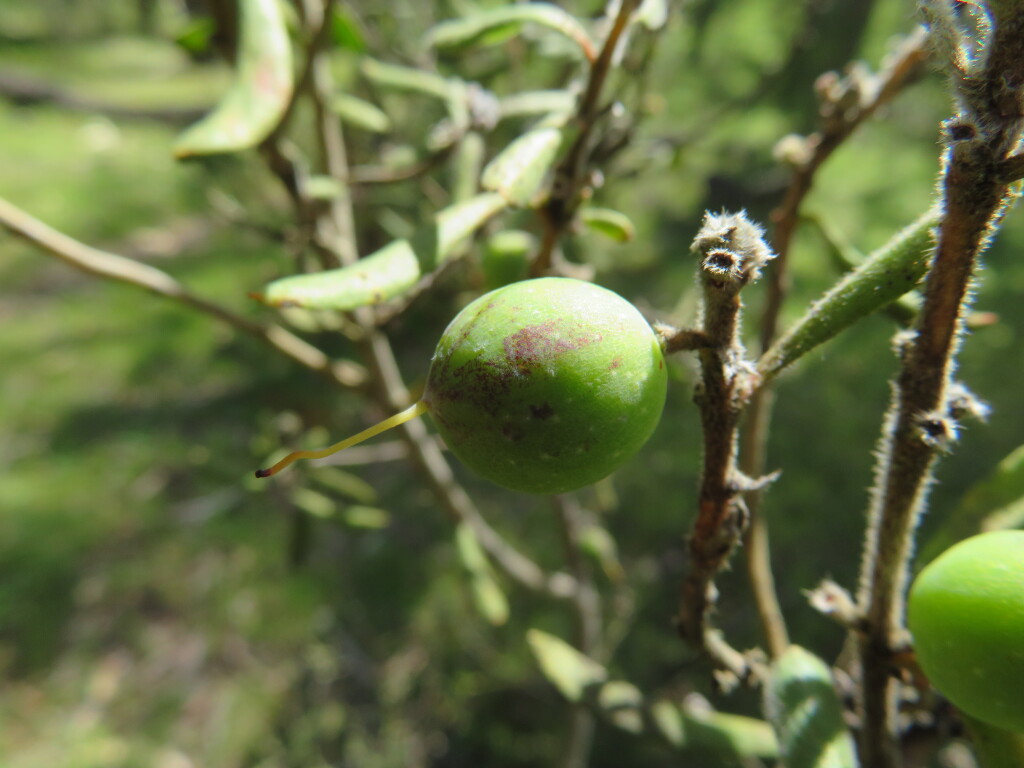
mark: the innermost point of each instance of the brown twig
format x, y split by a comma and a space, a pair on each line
570, 175
921, 425
114, 267
846, 104
732, 252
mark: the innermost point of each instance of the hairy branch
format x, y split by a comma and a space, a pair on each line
921, 424
732, 254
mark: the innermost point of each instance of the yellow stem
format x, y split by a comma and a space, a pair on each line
408, 414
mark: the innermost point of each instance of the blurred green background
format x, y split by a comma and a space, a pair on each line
159, 607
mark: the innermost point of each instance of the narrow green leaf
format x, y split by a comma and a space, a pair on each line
399, 78
360, 113
345, 30
320, 187
346, 483
847, 257
468, 31
995, 502
257, 99
362, 516
886, 275
735, 734
391, 271
466, 166
622, 702
468, 547
669, 721
530, 103
489, 599
519, 171
195, 36
802, 706
601, 545
381, 276
314, 503
571, 672
613, 224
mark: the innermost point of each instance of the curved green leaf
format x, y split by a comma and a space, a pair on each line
259, 95
802, 706
399, 78
519, 171
613, 224
570, 671
470, 30
391, 271
529, 103
886, 275
487, 594
360, 113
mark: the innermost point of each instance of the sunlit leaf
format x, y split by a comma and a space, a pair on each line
345, 31
346, 483
570, 671
259, 95
468, 547
195, 36
802, 706
360, 113
319, 187
399, 78
519, 171
390, 271
622, 702
314, 503
529, 103
361, 516
473, 29
613, 224
490, 600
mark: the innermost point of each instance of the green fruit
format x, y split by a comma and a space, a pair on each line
547, 385
542, 386
966, 613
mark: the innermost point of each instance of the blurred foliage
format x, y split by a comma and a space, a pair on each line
159, 608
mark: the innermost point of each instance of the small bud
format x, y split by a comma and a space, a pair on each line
733, 247
793, 150
937, 430
960, 402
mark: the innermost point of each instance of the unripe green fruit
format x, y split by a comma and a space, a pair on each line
547, 385
542, 386
966, 613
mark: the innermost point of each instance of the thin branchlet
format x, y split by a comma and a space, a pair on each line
731, 252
